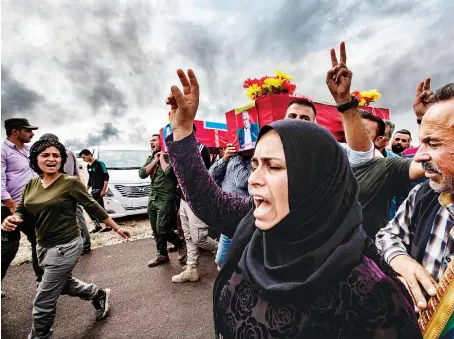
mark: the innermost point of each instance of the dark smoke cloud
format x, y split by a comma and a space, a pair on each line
17, 99
74, 144
106, 93
106, 82
109, 132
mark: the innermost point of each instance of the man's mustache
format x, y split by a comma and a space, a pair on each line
429, 167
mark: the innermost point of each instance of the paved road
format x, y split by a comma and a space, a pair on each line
144, 304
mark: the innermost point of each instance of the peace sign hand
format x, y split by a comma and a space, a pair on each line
183, 106
339, 77
424, 95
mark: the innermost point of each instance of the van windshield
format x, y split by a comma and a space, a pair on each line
123, 159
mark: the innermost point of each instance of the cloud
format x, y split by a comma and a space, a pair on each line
16, 97
108, 132
73, 67
106, 94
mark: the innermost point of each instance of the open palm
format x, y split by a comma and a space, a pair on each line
184, 105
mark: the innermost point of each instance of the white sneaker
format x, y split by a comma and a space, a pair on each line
191, 273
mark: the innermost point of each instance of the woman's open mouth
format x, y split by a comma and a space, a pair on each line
258, 200
262, 206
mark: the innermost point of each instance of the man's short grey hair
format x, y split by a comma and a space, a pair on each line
444, 93
391, 125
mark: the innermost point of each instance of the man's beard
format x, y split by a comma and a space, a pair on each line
397, 148
446, 183
25, 141
378, 145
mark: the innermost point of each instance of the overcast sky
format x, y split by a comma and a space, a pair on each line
98, 71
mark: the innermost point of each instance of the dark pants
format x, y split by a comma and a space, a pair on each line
96, 194
10, 244
162, 217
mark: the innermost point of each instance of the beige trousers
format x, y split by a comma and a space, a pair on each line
196, 234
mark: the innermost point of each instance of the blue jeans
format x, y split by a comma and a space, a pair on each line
223, 246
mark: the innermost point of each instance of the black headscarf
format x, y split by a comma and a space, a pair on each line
321, 239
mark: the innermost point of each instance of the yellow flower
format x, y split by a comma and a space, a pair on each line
372, 94
253, 90
283, 75
272, 82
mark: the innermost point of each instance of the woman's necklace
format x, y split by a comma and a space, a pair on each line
47, 184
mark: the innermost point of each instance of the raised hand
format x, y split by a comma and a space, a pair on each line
157, 157
423, 97
339, 77
183, 105
229, 152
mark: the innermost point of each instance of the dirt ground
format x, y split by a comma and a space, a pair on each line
138, 225
145, 304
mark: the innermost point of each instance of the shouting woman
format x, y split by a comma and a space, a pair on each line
300, 264
51, 200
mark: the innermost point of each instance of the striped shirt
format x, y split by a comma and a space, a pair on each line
232, 176
396, 237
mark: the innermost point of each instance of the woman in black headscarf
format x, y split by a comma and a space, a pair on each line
300, 264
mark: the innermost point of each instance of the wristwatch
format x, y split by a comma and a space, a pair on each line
345, 107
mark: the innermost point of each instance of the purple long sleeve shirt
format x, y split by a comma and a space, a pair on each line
16, 171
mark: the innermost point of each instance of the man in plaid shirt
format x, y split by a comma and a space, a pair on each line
419, 242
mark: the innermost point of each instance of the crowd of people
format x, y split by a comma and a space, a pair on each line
313, 238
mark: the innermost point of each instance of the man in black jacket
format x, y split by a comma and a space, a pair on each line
419, 242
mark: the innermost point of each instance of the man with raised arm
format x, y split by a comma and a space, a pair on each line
161, 203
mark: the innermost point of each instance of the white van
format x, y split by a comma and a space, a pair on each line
127, 194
